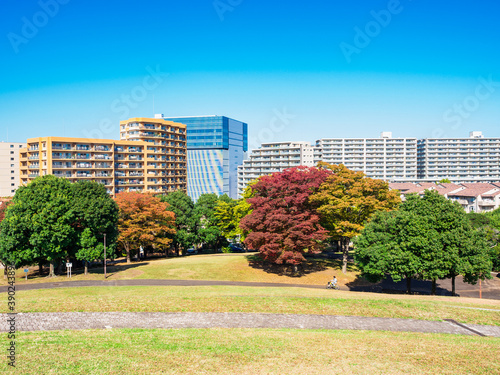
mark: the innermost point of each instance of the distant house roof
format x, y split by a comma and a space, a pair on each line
476, 189
467, 190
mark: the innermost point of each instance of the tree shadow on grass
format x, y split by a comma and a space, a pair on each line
112, 268
310, 265
388, 286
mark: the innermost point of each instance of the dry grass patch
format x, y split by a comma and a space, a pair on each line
260, 351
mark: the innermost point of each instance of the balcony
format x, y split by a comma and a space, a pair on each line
54, 147
102, 157
102, 148
67, 156
83, 165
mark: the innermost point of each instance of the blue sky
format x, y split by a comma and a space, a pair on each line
292, 71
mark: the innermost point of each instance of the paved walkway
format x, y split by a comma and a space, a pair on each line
110, 320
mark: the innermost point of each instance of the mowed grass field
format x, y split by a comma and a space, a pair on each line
252, 351
223, 267
257, 300
247, 351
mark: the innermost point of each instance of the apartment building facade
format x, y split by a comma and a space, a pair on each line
385, 158
165, 160
473, 159
274, 157
216, 146
9, 167
140, 163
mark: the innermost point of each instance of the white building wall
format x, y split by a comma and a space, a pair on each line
473, 159
274, 157
385, 158
9, 167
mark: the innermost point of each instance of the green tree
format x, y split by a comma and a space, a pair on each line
209, 232
229, 213
392, 244
490, 224
96, 215
444, 181
429, 237
89, 249
347, 200
39, 225
454, 255
186, 222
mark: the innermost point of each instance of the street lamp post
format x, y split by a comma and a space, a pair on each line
104, 256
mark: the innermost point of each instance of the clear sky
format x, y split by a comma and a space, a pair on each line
292, 70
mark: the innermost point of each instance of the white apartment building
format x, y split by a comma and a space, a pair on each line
274, 157
473, 159
9, 167
385, 158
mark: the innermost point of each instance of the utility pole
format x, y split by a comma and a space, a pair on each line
105, 256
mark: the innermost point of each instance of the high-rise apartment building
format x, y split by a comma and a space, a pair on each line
274, 157
473, 159
165, 161
216, 146
9, 167
385, 158
151, 160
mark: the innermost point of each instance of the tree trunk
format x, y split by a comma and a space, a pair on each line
433, 292
51, 270
86, 267
345, 253
40, 268
127, 250
408, 285
453, 286
59, 268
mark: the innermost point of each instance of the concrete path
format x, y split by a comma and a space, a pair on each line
110, 320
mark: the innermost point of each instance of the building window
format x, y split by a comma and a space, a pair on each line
11, 146
12, 178
11, 171
12, 152
12, 184
11, 158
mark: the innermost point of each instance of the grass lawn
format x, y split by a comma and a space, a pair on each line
257, 351
256, 299
223, 267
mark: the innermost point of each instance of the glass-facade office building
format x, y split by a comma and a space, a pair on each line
216, 146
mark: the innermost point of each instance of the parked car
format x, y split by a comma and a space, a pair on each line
236, 248
191, 251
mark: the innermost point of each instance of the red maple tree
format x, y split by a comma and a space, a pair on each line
284, 225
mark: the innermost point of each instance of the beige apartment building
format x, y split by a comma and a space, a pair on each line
150, 157
9, 167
